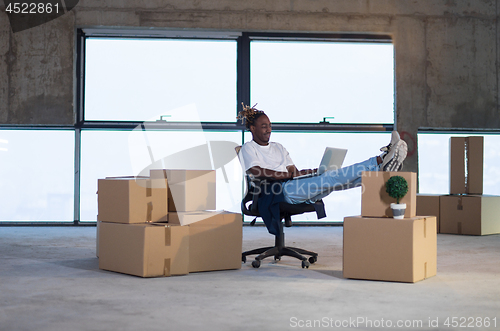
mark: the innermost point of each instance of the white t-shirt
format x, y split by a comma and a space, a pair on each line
273, 156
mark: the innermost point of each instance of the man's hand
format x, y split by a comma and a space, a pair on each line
307, 171
295, 172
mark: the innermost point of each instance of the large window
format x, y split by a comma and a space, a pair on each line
434, 163
305, 81
130, 153
143, 79
36, 175
311, 86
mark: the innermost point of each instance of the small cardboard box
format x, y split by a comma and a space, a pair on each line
144, 250
388, 249
189, 190
466, 165
376, 202
215, 239
132, 200
470, 214
428, 205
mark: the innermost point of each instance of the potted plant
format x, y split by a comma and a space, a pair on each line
397, 187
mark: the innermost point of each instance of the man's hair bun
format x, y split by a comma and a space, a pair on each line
249, 115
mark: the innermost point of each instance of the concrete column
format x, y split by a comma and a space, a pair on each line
411, 87
37, 73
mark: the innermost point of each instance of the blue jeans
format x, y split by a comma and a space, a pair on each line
314, 188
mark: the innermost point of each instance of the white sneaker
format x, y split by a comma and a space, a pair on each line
394, 153
394, 139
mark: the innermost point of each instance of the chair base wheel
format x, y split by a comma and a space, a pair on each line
243, 259
278, 251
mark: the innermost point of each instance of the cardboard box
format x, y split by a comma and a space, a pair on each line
466, 165
376, 202
131, 200
428, 205
144, 250
388, 249
470, 214
215, 239
189, 190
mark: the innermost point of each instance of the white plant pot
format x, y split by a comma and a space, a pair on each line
398, 210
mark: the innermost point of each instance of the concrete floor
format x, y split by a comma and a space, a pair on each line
49, 280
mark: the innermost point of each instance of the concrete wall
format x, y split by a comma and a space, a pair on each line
446, 51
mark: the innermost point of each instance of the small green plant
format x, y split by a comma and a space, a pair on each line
397, 187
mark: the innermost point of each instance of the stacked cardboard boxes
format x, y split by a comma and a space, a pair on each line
379, 247
465, 210
165, 225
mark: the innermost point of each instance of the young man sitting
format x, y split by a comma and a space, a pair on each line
263, 158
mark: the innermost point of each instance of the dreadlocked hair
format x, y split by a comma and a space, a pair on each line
249, 115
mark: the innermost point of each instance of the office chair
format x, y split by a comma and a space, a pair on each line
287, 210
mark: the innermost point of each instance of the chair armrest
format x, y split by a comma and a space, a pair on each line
253, 185
256, 186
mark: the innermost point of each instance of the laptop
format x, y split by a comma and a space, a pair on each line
333, 158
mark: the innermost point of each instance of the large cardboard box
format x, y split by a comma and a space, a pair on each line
388, 249
215, 239
466, 165
132, 200
376, 202
144, 250
470, 214
428, 205
189, 190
